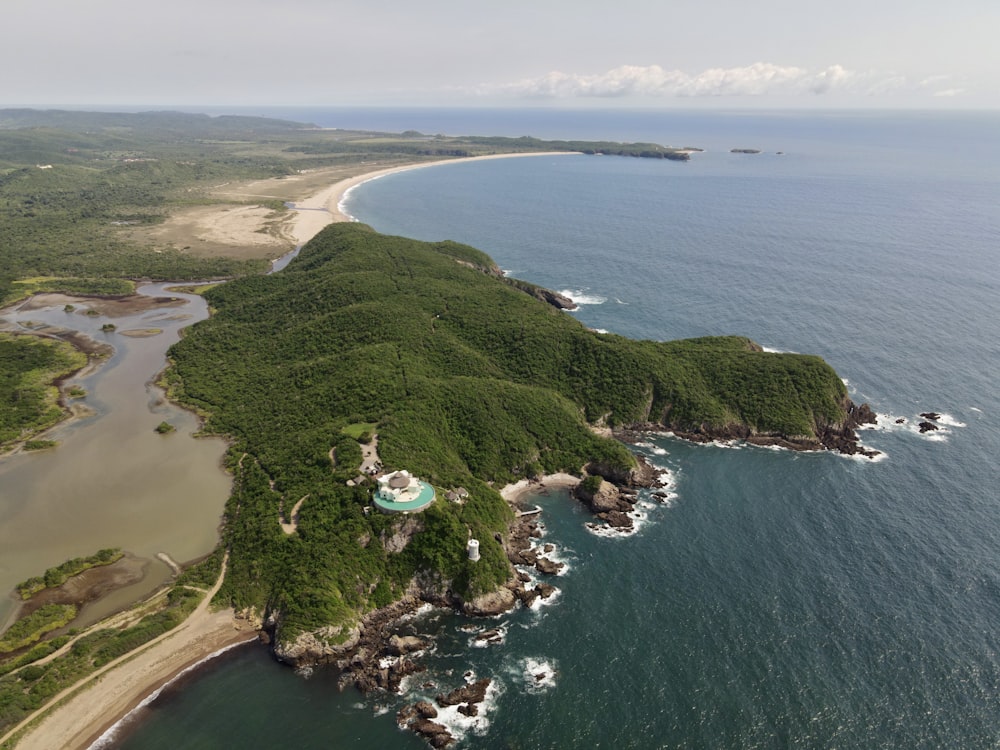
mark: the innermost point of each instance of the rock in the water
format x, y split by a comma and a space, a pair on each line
605, 498
931, 415
474, 693
617, 519
425, 709
544, 565
436, 734
927, 427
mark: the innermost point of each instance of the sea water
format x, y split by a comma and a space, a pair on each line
775, 599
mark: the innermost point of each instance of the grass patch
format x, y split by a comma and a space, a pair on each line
31, 628
360, 430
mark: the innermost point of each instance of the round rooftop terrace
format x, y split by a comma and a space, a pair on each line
407, 503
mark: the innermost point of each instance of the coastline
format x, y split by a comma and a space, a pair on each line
321, 209
515, 493
88, 711
83, 713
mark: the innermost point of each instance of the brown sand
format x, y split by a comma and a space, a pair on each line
91, 707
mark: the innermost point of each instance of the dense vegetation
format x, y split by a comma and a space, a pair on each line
28, 366
467, 379
30, 628
470, 382
441, 145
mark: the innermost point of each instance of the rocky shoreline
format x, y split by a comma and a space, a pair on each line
384, 648
839, 437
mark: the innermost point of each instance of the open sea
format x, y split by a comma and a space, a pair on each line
777, 600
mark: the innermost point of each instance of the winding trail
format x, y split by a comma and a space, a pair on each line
292, 524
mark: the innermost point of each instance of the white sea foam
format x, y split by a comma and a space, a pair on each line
556, 555
461, 725
423, 609
599, 330
772, 350
499, 640
583, 297
534, 674
652, 448
545, 601
620, 302
975, 409
911, 425
107, 740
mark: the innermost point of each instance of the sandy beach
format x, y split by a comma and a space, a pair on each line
89, 709
515, 493
317, 211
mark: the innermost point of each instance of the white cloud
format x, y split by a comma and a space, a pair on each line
758, 79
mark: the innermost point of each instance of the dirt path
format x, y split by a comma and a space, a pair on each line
369, 456
84, 711
292, 524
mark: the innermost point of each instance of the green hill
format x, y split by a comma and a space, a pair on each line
470, 381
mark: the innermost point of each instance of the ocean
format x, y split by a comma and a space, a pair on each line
776, 599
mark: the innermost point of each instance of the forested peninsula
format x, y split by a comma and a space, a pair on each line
469, 381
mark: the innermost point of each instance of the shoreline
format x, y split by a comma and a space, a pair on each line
321, 209
81, 716
82, 713
515, 493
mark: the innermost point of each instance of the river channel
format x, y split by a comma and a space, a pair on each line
113, 481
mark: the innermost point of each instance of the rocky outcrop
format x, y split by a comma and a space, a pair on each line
639, 475
419, 716
492, 603
605, 497
836, 436
474, 692
609, 503
322, 646
435, 734
559, 301
401, 536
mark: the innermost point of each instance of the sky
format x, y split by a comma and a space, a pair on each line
558, 53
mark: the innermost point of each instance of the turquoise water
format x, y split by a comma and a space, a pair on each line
778, 599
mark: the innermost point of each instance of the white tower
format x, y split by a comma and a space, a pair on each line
473, 548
